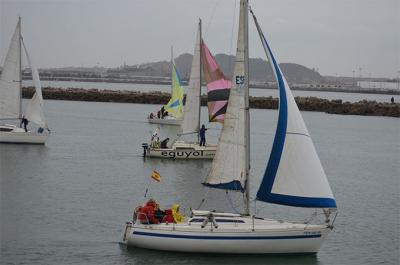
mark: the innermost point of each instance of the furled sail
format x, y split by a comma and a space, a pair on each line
191, 110
294, 175
217, 86
230, 165
10, 92
175, 104
34, 110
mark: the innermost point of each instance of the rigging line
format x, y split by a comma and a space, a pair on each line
231, 202
147, 190
204, 198
211, 18
232, 32
303, 134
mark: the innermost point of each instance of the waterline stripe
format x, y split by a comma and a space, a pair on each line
225, 237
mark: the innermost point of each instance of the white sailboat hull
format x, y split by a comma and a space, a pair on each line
182, 150
166, 121
265, 237
19, 136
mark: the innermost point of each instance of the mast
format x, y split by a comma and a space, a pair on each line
246, 100
20, 67
231, 164
172, 68
201, 43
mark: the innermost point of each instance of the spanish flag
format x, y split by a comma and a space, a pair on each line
156, 176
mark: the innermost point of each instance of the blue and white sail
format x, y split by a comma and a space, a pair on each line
230, 166
294, 175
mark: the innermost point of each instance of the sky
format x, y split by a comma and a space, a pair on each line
336, 37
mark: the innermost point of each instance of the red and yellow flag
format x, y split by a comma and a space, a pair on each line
156, 176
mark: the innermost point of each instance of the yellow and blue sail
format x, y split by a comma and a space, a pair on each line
175, 104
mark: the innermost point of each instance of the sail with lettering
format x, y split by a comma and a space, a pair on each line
230, 165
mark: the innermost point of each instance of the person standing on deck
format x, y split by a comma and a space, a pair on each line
164, 143
202, 133
24, 122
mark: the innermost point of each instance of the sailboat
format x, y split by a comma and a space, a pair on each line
293, 177
11, 97
218, 92
172, 112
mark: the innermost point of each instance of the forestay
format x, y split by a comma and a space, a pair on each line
191, 110
294, 175
10, 90
229, 167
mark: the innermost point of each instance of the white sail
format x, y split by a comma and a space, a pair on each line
34, 110
294, 174
10, 92
191, 110
230, 165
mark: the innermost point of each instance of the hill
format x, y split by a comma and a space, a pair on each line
260, 71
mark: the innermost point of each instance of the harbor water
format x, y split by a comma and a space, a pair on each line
66, 202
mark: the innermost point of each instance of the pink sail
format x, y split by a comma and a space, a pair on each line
218, 86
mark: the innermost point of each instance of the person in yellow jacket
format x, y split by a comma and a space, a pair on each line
178, 216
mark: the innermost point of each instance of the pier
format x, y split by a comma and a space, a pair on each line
365, 108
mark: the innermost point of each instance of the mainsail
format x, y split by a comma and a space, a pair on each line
10, 89
217, 86
191, 110
294, 175
230, 166
175, 104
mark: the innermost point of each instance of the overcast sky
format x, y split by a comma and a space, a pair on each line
335, 36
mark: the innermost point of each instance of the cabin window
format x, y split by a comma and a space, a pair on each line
197, 220
5, 130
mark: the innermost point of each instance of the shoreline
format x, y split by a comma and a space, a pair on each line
363, 108
324, 88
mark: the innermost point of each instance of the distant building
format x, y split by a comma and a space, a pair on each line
378, 85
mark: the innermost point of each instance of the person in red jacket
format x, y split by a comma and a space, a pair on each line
146, 214
168, 218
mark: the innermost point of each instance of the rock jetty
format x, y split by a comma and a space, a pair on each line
366, 108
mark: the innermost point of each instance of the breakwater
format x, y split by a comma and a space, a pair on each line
366, 108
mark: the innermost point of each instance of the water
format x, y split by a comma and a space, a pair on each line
256, 92
66, 202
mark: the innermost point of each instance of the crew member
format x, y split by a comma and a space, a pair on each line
178, 216
203, 135
24, 122
164, 143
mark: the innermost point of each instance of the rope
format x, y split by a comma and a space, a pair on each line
231, 202
212, 16
201, 203
148, 187
313, 215
232, 32
204, 198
